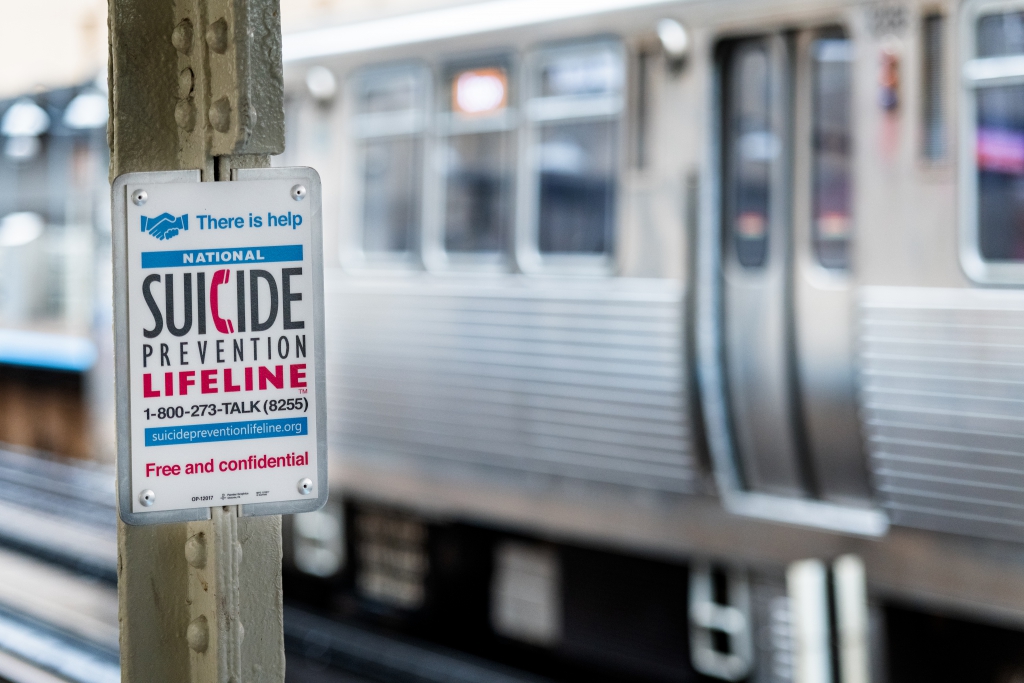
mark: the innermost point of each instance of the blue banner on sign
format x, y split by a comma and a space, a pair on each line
226, 431
205, 257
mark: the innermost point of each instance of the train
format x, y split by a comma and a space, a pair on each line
667, 340
674, 340
55, 337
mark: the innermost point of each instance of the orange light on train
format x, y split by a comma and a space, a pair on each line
889, 79
832, 225
480, 92
751, 225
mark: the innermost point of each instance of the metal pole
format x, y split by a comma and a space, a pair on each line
197, 84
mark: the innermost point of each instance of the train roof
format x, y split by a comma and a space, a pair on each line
446, 23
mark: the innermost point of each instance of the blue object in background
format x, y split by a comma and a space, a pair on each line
46, 350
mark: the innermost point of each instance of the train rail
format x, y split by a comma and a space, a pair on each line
58, 596
385, 658
56, 623
59, 511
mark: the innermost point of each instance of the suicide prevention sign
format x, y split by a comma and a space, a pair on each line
218, 290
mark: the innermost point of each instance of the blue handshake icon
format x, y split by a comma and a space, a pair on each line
165, 226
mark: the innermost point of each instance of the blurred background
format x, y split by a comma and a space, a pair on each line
667, 341
54, 234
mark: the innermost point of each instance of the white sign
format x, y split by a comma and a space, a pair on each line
219, 331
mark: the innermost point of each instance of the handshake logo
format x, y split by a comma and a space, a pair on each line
165, 226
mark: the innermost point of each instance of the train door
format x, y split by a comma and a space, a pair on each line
775, 314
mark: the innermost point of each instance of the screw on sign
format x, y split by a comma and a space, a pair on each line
220, 344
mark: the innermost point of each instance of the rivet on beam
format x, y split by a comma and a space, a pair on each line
181, 37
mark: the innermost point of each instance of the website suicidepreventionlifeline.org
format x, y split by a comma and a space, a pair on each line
226, 431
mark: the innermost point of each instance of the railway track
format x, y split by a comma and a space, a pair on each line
58, 596
58, 571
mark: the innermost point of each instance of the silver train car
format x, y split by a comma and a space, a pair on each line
675, 340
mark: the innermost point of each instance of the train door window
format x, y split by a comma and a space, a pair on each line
576, 104
992, 239
477, 150
933, 77
389, 125
752, 148
832, 102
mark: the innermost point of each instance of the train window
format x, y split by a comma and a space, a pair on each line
832, 101
390, 106
1000, 34
1000, 168
933, 111
49, 166
478, 157
998, 159
751, 149
575, 110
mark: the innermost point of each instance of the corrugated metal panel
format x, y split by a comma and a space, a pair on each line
581, 379
942, 378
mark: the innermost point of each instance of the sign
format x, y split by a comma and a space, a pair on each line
219, 344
